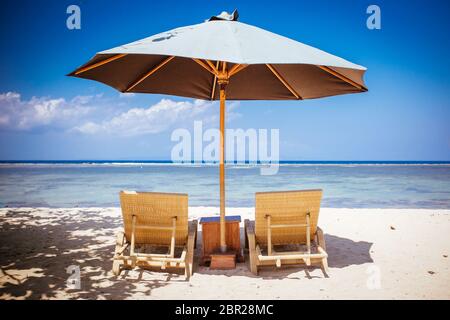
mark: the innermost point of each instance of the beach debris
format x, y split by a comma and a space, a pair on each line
392, 227
431, 272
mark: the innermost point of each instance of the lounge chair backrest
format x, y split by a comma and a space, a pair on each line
156, 210
286, 207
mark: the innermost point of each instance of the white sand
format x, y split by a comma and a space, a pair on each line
373, 254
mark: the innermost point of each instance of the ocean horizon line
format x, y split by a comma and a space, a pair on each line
206, 163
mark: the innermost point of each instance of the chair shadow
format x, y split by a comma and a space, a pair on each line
342, 253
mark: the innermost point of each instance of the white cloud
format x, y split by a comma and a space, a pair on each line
101, 115
23, 115
164, 115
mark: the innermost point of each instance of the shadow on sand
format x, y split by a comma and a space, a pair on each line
36, 251
36, 248
342, 252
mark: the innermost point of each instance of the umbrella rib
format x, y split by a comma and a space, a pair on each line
206, 66
342, 77
236, 68
100, 63
213, 91
148, 74
216, 70
283, 81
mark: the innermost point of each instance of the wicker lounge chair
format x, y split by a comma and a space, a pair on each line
286, 219
155, 222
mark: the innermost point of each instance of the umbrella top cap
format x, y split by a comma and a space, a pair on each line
225, 16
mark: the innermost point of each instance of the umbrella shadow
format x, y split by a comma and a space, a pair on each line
36, 251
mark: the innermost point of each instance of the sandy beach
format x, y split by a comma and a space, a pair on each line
373, 254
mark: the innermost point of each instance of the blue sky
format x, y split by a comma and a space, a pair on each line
404, 116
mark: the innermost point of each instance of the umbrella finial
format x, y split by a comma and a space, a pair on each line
226, 16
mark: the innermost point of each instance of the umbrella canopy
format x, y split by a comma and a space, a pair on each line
224, 59
276, 67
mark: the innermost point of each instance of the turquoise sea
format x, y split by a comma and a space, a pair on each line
350, 184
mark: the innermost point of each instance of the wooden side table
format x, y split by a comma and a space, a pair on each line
211, 242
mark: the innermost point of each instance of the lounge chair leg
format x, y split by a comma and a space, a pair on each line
189, 264
308, 262
117, 264
120, 242
247, 224
133, 262
187, 271
325, 265
250, 234
253, 267
245, 235
321, 243
195, 240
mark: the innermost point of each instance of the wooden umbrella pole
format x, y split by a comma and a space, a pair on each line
223, 243
222, 80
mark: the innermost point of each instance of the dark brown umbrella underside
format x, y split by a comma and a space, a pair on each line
180, 76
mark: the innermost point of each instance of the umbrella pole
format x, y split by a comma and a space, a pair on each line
223, 243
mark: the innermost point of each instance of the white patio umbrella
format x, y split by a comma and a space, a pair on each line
224, 59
